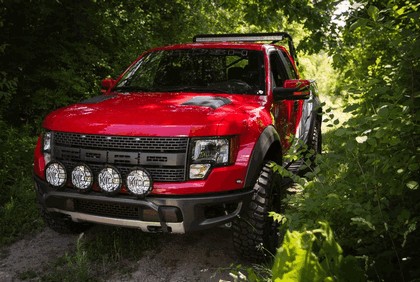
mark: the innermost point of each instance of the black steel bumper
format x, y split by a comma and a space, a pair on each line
152, 214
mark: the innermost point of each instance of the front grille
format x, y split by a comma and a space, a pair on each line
130, 143
163, 157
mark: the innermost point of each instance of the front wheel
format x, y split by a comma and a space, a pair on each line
255, 233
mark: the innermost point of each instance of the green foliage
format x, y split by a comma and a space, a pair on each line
373, 213
54, 53
381, 140
18, 211
74, 267
314, 256
367, 185
319, 67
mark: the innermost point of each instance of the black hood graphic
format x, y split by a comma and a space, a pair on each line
208, 101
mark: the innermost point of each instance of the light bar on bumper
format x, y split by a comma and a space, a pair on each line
55, 174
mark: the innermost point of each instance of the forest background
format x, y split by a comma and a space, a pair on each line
365, 57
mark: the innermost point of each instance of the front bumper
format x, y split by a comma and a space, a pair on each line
152, 214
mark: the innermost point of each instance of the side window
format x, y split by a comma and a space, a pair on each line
277, 70
289, 66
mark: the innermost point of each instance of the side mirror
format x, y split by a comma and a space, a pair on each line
293, 89
107, 84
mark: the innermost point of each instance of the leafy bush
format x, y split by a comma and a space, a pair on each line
18, 210
373, 212
314, 256
367, 185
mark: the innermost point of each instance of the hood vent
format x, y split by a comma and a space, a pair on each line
208, 101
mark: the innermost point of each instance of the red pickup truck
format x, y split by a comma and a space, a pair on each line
183, 140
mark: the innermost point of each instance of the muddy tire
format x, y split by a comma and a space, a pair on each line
61, 223
255, 234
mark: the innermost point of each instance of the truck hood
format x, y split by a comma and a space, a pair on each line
157, 114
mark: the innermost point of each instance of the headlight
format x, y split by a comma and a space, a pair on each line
46, 147
208, 152
47, 142
214, 151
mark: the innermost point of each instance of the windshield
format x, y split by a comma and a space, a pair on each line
238, 71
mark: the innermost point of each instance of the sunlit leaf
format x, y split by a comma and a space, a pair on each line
413, 185
350, 108
373, 12
362, 221
361, 139
357, 24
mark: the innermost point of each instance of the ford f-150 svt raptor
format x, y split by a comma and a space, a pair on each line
183, 140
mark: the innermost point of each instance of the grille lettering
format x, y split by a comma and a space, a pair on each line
163, 157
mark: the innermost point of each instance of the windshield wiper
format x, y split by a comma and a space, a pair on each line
132, 89
194, 88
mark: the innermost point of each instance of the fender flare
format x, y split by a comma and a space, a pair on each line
267, 138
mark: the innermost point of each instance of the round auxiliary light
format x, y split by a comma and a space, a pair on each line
109, 179
55, 174
139, 182
82, 177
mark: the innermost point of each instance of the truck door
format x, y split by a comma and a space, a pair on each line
291, 73
286, 113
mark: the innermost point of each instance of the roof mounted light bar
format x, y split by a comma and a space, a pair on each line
273, 37
251, 37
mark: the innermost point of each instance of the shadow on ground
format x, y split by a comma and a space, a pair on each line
201, 256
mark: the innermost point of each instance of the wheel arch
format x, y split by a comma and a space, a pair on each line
267, 147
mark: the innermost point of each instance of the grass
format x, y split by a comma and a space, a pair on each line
100, 253
18, 210
19, 213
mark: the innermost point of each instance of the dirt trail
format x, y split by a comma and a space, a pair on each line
201, 256
33, 253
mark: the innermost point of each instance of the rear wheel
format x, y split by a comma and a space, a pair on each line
62, 223
255, 233
315, 139
313, 147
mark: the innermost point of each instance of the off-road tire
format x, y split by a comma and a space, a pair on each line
313, 148
315, 138
255, 234
61, 223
